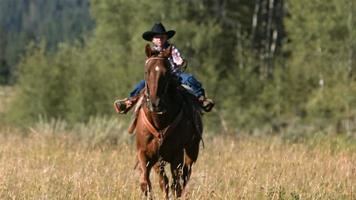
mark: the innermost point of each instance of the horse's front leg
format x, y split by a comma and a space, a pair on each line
163, 179
145, 168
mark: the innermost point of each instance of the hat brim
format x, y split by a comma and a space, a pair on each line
148, 35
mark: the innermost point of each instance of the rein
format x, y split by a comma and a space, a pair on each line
160, 134
154, 58
147, 90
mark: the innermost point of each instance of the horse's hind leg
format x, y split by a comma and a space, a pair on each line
186, 172
190, 156
145, 168
176, 170
163, 179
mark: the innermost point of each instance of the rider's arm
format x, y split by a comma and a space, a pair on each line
178, 60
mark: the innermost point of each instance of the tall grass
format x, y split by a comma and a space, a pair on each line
53, 161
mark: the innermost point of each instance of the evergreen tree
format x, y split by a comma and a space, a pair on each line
23, 21
319, 70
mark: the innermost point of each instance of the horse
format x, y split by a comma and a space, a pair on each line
168, 130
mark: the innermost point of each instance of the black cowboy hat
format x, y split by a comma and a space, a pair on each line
157, 29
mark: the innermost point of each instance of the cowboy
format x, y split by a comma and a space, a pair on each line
159, 37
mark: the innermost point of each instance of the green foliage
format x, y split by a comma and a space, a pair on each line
78, 82
43, 80
321, 63
309, 80
69, 84
22, 22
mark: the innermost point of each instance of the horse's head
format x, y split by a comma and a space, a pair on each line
157, 76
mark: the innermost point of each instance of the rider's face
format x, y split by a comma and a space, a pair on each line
159, 40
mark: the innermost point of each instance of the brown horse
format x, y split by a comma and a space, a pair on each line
168, 128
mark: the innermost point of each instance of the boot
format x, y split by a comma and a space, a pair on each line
206, 104
124, 105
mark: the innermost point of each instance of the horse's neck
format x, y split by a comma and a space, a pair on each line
175, 101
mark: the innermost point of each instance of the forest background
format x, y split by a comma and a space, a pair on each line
272, 66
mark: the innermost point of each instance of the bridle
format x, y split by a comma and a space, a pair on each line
147, 90
159, 133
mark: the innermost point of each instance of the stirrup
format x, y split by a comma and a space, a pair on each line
121, 106
207, 104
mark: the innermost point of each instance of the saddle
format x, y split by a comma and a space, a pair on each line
190, 105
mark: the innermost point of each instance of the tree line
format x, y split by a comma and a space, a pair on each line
267, 63
23, 22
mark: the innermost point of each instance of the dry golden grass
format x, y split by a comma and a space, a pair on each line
48, 166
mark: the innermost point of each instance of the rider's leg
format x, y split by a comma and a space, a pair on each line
197, 89
124, 105
139, 86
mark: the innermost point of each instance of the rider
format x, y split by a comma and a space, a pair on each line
159, 37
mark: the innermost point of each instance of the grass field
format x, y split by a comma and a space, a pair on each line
47, 165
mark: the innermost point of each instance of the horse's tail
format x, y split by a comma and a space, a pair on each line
198, 125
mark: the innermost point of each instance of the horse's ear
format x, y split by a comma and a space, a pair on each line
148, 51
168, 52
